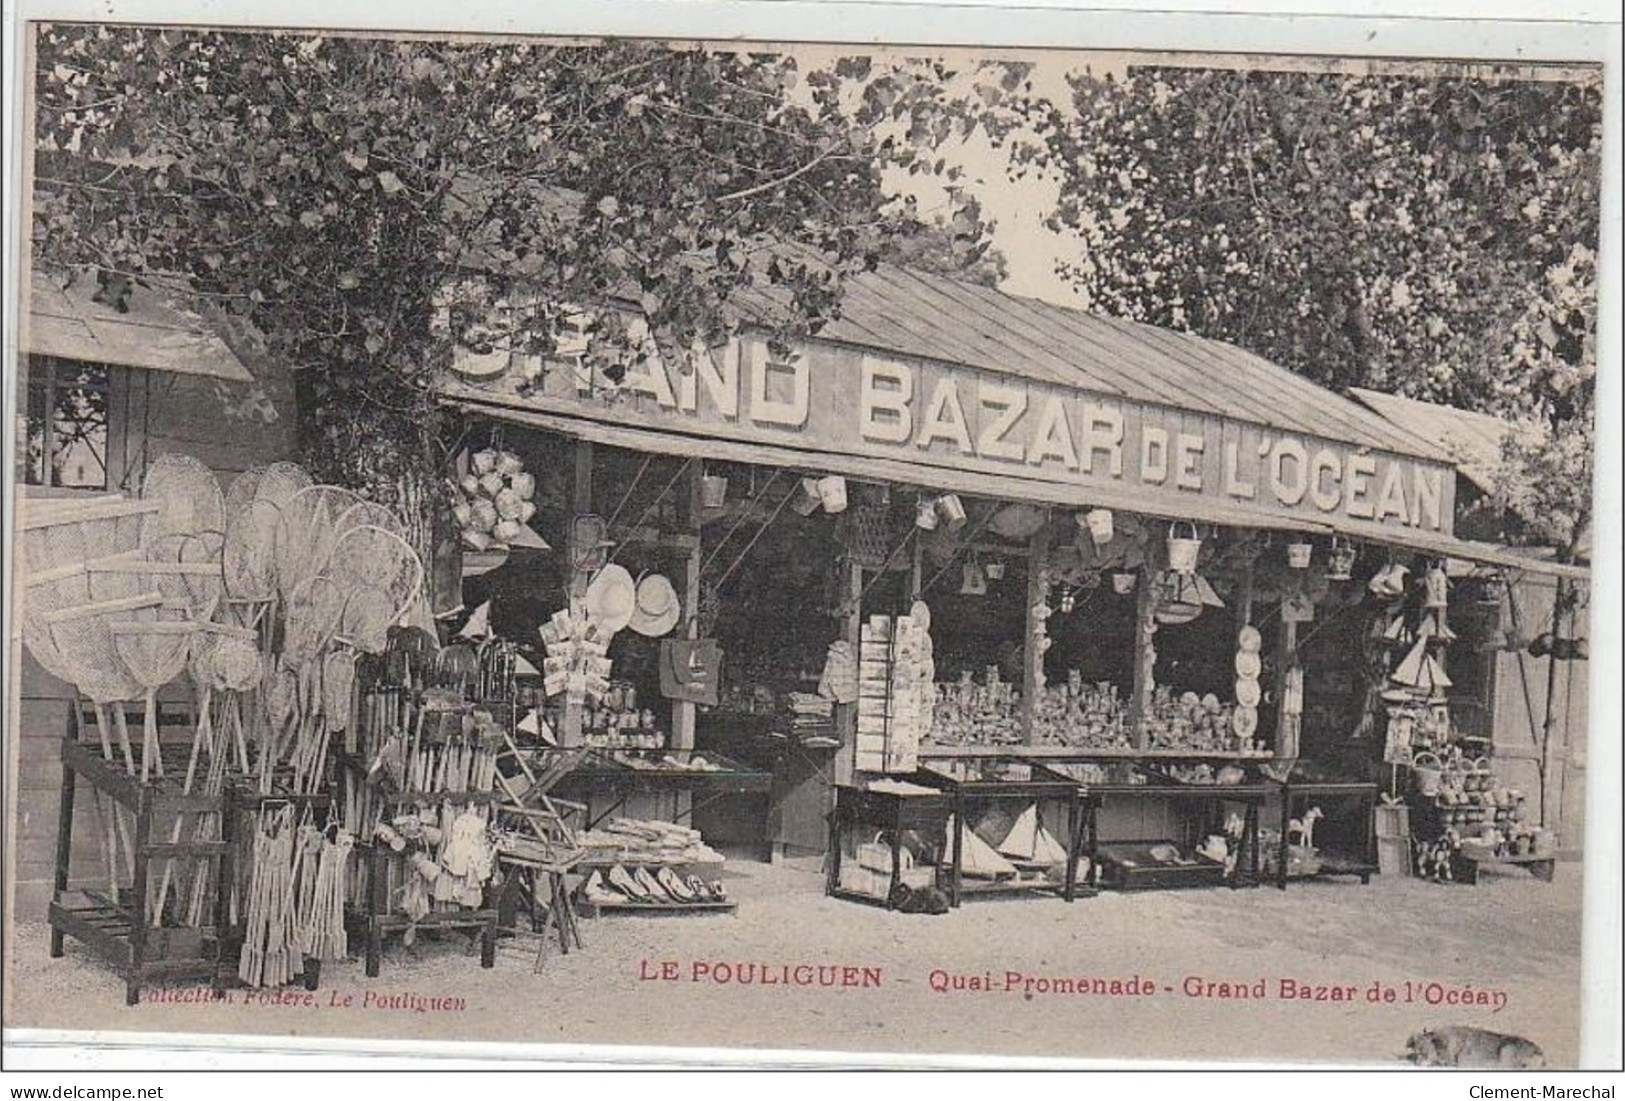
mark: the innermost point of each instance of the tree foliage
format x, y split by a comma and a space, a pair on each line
1429, 236
369, 204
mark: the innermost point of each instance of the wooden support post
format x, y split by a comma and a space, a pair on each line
683, 712
1286, 726
846, 714
570, 733
1145, 658
1032, 653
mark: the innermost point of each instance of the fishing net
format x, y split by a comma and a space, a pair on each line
153, 654
52, 535
248, 554
188, 496
279, 482
49, 591
369, 613
242, 490
193, 586
306, 533
83, 640
311, 617
371, 557
370, 514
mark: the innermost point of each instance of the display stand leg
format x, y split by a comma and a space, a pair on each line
896, 865
375, 911
1069, 888
138, 902
1281, 853
64, 850
958, 842
832, 878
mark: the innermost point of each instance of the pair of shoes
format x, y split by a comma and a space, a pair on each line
628, 884
597, 892
674, 886
652, 888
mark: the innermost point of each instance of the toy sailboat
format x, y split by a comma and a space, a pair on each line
1030, 843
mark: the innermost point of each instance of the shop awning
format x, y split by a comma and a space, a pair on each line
935, 478
1488, 554
152, 335
983, 485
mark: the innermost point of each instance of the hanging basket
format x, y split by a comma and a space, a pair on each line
1183, 550
867, 532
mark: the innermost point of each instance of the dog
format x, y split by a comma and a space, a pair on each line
919, 900
1464, 1046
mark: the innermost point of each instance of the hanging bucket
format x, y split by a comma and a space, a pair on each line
1123, 582
953, 510
807, 499
925, 514
713, 491
1183, 550
1429, 772
1298, 555
994, 571
832, 493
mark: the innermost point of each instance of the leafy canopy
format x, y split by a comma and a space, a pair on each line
1432, 237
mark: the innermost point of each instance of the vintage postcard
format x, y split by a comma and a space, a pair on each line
681, 542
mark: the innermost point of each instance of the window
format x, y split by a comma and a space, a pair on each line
66, 437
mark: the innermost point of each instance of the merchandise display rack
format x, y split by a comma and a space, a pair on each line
1297, 796
377, 920
1043, 786
887, 814
118, 928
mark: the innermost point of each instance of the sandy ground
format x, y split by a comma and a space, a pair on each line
1511, 938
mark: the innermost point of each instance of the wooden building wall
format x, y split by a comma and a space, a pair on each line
161, 413
1519, 710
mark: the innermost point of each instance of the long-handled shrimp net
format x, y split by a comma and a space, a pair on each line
42, 594
51, 534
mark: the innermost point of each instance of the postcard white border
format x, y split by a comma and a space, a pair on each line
1520, 30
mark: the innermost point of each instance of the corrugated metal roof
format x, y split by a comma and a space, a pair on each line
154, 334
1472, 440
933, 317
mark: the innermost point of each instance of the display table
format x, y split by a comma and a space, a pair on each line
1466, 866
982, 785
1354, 813
602, 783
1208, 800
872, 815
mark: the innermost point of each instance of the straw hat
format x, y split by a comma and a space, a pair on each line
655, 608
611, 598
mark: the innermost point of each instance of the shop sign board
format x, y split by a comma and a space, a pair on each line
851, 401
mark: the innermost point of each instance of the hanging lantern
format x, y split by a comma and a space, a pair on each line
1340, 563
1069, 601
973, 580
